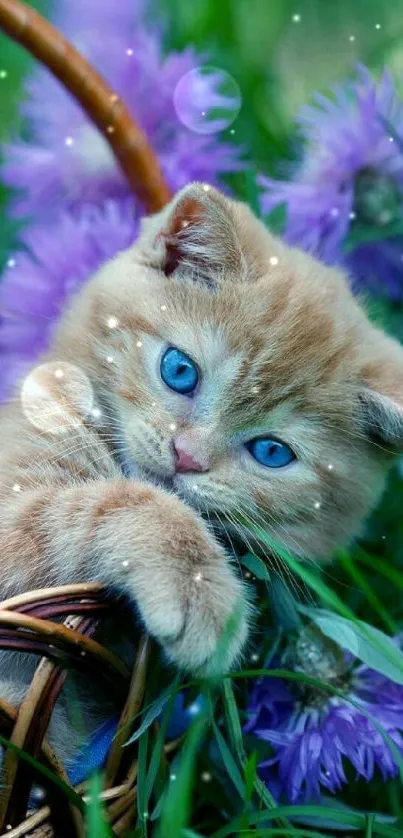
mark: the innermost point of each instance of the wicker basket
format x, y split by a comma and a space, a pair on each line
27, 625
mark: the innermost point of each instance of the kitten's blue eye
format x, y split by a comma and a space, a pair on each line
270, 452
178, 371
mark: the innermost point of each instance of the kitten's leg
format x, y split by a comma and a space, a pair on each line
138, 540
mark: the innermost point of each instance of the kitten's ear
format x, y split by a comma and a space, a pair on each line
381, 399
196, 235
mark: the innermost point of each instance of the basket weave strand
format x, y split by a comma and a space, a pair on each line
25, 727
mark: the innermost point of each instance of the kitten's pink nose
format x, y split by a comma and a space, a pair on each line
185, 461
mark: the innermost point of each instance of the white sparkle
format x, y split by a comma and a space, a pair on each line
69, 141
317, 504
273, 260
109, 359
16, 487
254, 657
352, 38
377, 26
352, 215
296, 18
391, 139
383, 537
125, 564
110, 129
83, 653
330, 467
163, 308
129, 52
206, 187
232, 131
145, 815
59, 373
255, 389
248, 575
153, 404
139, 343
112, 322
198, 577
334, 212
186, 223
195, 487
96, 412
172, 777
203, 113
206, 776
172, 426
3, 74
11, 263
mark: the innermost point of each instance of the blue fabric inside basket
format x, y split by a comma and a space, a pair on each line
93, 754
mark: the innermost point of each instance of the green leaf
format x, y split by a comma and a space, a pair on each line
177, 804
96, 824
154, 710
42, 769
352, 820
229, 761
235, 732
256, 566
365, 642
348, 563
142, 803
250, 775
158, 748
232, 718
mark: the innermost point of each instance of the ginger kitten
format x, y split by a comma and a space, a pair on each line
214, 371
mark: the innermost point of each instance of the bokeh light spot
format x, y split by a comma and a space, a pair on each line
207, 100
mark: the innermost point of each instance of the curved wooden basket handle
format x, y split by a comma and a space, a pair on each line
102, 105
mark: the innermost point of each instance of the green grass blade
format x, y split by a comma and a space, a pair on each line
158, 749
235, 733
391, 573
232, 719
42, 769
176, 807
349, 565
352, 820
96, 824
142, 802
369, 825
154, 710
229, 762
391, 653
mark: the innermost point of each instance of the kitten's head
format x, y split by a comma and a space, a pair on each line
243, 374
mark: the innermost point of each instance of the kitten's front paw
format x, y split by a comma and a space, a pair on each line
190, 598
215, 611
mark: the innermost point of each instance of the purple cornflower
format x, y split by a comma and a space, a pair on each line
57, 259
349, 183
66, 161
313, 736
